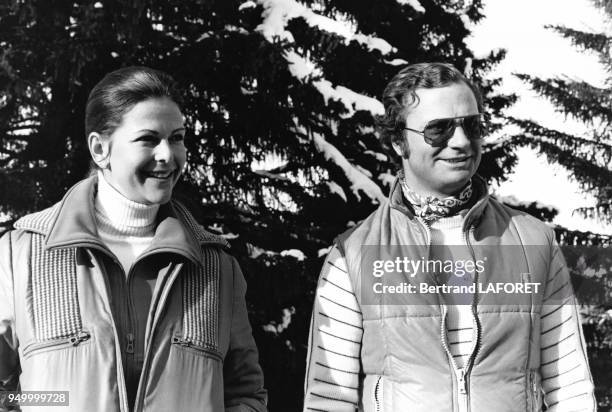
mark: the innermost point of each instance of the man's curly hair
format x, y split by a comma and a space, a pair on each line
400, 95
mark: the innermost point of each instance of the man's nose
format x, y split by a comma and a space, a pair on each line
459, 139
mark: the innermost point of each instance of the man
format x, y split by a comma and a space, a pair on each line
374, 349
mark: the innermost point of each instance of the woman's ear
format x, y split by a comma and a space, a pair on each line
99, 148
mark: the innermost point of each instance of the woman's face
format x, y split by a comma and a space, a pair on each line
147, 151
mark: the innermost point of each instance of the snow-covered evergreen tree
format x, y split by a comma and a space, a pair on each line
589, 160
281, 100
587, 157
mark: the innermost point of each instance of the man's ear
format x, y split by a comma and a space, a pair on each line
99, 148
401, 148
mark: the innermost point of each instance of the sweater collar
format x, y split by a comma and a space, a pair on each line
71, 223
120, 214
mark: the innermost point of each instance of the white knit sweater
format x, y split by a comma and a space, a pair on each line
124, 226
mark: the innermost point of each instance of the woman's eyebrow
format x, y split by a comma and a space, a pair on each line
180, 129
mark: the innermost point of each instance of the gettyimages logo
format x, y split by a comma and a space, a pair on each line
412, 267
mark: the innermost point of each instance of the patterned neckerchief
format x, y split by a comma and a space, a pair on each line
430, 208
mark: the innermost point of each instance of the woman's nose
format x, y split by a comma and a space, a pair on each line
163, 151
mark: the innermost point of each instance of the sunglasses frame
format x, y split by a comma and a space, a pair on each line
457, 121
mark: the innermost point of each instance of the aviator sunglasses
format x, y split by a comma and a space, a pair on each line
438, 131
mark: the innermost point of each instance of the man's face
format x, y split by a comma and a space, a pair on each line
440, 171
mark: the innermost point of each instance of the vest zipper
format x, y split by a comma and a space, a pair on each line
378, 395
533, 400
74, 340
475, 325
463, 385
462, 373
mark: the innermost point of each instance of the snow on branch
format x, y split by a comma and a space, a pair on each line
303, 68
512, 200
360, 182
277, 13
351, 99
414, 4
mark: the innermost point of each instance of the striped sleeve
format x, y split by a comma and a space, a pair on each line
333, 365
566, 378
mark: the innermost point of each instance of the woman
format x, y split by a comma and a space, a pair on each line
115, 294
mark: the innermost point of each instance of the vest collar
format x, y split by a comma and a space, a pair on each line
71, 223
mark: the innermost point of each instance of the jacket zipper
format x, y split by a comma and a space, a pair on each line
147, 356
129, 347
120, 375
378, 395
130, 336
188, 343
74, 340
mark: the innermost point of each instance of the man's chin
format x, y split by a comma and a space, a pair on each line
455, 182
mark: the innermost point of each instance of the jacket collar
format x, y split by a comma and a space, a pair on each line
71, 223
478, 205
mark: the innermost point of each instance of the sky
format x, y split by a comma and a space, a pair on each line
518, 26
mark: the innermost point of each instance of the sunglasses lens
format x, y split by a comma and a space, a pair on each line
473, 127
439, 131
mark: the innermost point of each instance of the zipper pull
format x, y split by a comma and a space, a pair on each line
180, 341
130, 343
462, 383
81, 337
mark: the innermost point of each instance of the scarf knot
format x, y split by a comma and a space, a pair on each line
431, 208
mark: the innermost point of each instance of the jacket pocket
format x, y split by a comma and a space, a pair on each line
378, 395
56, 344
196, 348
534, 392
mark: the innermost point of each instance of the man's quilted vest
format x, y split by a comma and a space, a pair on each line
404, 350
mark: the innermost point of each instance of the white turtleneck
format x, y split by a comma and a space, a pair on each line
124, 226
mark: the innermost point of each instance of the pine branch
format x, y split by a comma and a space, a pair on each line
598, 42
590, 177
578, 99
598, 153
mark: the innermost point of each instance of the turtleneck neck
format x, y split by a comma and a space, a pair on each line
121, 216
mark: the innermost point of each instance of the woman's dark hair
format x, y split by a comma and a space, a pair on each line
400, 94
121, 90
